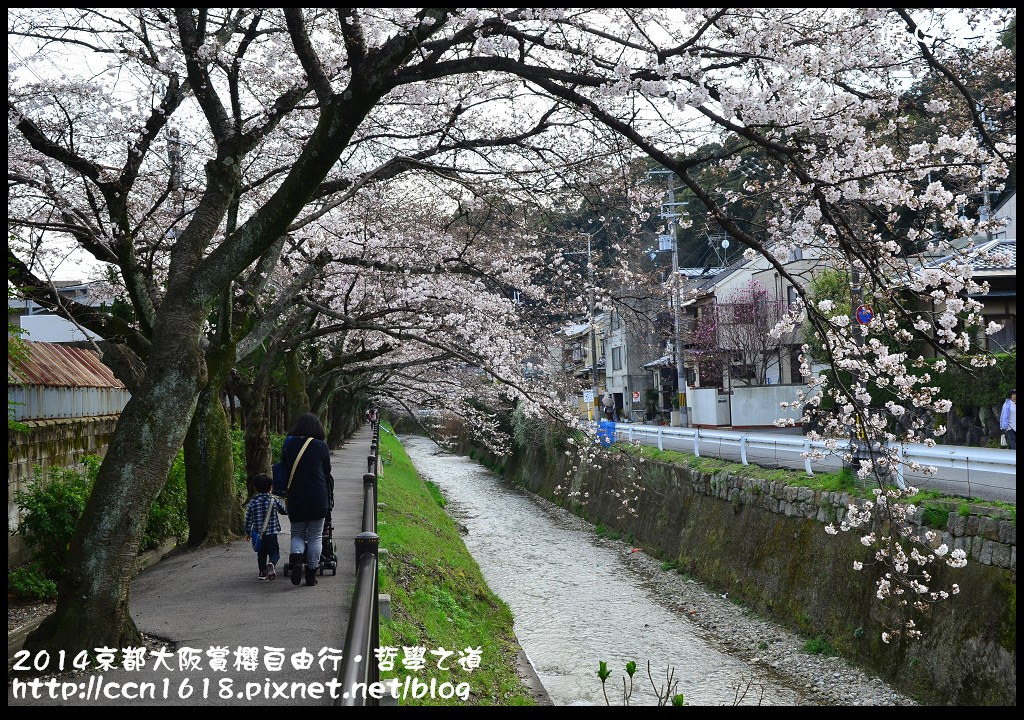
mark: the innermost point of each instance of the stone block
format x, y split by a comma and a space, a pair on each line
947, 540
803, 494
384, 606
972, 525
976, 543
957, 524
1000, 555
822, 515
962, 543
986, 552
1013, 558
1007, 532
988, 527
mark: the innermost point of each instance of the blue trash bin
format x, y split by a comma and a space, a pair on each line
606, 432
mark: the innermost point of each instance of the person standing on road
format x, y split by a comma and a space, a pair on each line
309, 496
1008, 420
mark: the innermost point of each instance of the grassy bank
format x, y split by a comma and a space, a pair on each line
438, 596
938, 503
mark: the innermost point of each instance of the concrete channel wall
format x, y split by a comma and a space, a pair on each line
764, 543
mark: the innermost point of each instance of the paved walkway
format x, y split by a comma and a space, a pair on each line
210, 598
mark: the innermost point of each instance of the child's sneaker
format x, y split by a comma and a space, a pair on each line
271, 573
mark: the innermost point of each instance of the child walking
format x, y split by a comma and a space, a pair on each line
262, 526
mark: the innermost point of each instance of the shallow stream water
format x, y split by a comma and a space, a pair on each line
576, 602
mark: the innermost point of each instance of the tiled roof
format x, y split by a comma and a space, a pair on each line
990, 255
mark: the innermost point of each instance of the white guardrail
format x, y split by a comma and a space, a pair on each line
988, 460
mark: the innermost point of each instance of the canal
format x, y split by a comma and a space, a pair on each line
577, 601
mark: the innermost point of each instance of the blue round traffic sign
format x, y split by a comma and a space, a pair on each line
864, 314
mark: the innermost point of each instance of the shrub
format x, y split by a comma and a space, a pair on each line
30, 583
819, 646
935, 516
51, 507
168, 515
55, 500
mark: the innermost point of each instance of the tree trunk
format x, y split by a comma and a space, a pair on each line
257, 435
336, 433
214, 513
92, 609
298, 401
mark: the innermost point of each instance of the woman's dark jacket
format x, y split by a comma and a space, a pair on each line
312, 488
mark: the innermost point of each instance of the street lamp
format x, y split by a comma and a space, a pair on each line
671, 217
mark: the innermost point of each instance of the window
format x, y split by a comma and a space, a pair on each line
616, 321
617, 358
791, 295
795, 376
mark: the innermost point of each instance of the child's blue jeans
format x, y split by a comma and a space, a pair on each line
268, 550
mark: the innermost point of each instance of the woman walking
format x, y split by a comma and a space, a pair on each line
310, 494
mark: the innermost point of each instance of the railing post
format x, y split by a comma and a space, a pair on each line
807, 456
371, 463
660, 445
371, 480
629, 434
367, 542
743, 449
696, 442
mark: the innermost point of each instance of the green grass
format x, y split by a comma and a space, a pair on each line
936, 516
820, 646
435, 492
438, 595
840, 481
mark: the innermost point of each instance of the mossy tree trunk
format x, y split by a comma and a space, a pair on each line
214, 512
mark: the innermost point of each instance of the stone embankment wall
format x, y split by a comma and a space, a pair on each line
57, 442
765, 545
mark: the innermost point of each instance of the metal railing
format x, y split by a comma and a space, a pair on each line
359, 663
984, 468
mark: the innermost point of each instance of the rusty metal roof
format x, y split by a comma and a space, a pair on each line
53, 365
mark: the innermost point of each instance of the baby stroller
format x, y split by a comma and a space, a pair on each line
328, 553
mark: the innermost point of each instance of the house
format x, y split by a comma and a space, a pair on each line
994, 261
41, 324
578, 345
629, 341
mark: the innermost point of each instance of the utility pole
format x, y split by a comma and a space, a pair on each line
593, 328
677, 309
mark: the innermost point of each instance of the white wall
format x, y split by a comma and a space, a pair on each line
52, 328
759, 406
705, 408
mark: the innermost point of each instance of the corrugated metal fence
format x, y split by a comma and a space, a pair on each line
56, 381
